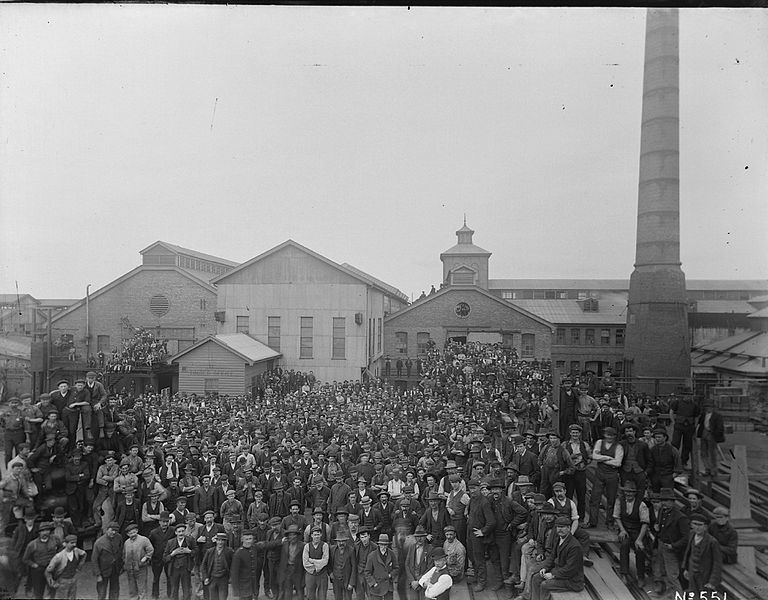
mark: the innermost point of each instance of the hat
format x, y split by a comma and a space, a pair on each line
609, 431
341, 511
274, 521
209, 512
693, 491
293, 503
575, 427
438, 553
496, 483
720, 511
222, 536
699, 518
30, 513
342, 535
383, 539
558, 485
523, 480
62, 381
448, 528
182, 525
316, 528
547, 509
530, 432
14, 400
79, 380
154, 492
433, 496
630, 486
353, 518
114, 525
165, 515
384, 493
278, 486
629, 425
191, 516
660, 430
420, 532
132, 526
667, 494
539, 498
318, 511
366, 500
474, 482
364, 529
59, 512
563, 521
45, 526
71, 538
292, 529
262, 516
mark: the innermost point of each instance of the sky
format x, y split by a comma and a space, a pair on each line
366, 134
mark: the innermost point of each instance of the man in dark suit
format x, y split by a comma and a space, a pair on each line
564, 570
481, 523
702, 562
291, 571
179, 555
215, 568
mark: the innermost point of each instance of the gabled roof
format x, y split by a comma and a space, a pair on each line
461, 288
194, 253
393, 291
745, 353
465, 249
13, 298
240, 344
352, 272
126, 277
759, 314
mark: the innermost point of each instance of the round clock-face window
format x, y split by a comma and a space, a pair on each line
462, 309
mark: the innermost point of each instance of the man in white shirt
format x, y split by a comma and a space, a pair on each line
437, 582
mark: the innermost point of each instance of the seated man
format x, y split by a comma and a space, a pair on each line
564, 570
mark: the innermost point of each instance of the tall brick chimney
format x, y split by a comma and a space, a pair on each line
657, 350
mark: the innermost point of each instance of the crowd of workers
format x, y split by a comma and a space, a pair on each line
359, 486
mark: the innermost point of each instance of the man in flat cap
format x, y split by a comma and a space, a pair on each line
63, 570
564, 570
215, 568
702, 560
608, 454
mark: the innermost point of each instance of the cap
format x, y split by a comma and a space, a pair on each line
46, 526
180, 525
438, 553
420, 532
563, 521
448, 528
609, 431
693, 491
383, 539
575, 427
698, 517
71, 538
131, 527
667, 494
558, 485
222, 536
720, 511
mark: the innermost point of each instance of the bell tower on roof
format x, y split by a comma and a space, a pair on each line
465, 263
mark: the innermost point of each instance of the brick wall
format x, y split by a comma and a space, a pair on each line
130, 298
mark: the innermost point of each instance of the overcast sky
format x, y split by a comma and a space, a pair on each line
366, 134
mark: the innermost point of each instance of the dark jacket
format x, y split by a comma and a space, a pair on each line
728, 538
107, 555
567, 563
180, 561
711, 563
246, 564
209, 558
381, 572
288, 574
481, 517
343, 567
716, 426
414, 570
674, 529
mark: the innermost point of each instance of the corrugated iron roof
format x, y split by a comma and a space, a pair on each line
759, 314
740, 307
193, 253
247, 346
752, 285
16, 347
612, 310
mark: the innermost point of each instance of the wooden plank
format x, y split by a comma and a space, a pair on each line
754, 584
604, 581
582, 595
602, 534
739, 487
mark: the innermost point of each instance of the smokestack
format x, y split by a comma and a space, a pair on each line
657, 345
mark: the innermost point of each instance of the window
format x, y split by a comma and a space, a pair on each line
582, 295
378, 342
560, 366
508, 295
339, 338
401, 342
305, 338
203, 303
242, 325
575, 336
102, 344
550, 295
273, 333
528, 345
560, 336
605, 337
422, 341
618, 368
562, 295
620, 337
371, 341
211, 385
589, 337
575, 366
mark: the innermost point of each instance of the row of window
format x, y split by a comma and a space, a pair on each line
306, 335
196, 264
375, 332
549, 294
527, 346
573, 336
575, 367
